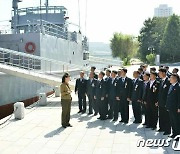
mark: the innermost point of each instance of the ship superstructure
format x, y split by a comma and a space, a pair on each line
39, 31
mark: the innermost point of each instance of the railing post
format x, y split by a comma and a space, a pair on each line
28, 63
23, 62
3, 57
50, 67
19, 61
11, 59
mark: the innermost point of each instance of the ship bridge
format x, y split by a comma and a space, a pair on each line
23, 17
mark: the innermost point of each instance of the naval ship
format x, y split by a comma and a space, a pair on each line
39, 31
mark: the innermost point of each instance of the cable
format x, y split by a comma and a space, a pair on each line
79, 13
86, 16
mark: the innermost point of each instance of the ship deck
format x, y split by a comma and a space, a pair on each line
40, 132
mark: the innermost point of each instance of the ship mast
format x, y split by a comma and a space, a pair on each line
47, 4
15, 8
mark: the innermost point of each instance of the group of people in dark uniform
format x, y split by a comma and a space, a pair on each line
153, 94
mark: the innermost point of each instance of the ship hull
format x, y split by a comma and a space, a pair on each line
14, 89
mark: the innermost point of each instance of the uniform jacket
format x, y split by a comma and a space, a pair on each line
151, 94
123, 90
173, 98
144, 89
81, 86
111, 88
91, 87
65, 91
100, 90
107, 80
137, 90
163, 92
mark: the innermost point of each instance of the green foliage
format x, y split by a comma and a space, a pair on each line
151, 58
123, 46
163, 34
150, 36
170, 44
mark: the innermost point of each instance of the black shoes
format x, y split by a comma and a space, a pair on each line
144, 124
83, 111
69, 125
154, 128
115, 119
80, 111
137, 122
172, 136
166, 133
90, 113
109, 117
121, 121
160, 130
104, 118
95, 114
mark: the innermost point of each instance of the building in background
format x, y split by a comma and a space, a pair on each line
163, 11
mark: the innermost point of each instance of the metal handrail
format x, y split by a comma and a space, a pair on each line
36, 63
43, 8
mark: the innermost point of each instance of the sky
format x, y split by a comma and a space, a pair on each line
102, 17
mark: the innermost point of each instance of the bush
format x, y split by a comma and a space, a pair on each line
151, 58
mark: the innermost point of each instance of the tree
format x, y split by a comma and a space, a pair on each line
123, 46
170, 44
150, 36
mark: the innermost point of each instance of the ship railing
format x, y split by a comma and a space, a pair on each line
49, 28
42, 9
5, 29
37, 64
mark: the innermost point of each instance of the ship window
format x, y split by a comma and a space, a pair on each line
73, 52
85, 56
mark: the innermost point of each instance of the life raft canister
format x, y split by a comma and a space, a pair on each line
30, 47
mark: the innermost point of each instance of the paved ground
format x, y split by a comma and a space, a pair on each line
40, 132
